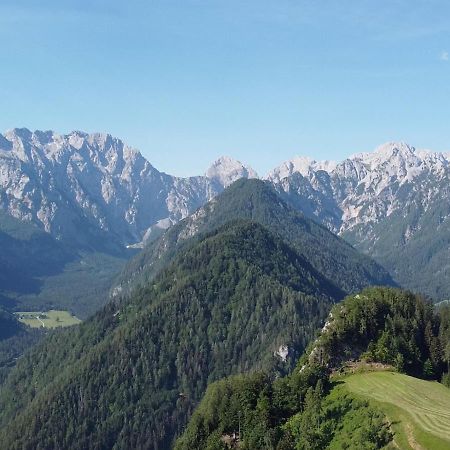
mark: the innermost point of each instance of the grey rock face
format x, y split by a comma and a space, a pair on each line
82, 183
93, 190
365, 188
392, 204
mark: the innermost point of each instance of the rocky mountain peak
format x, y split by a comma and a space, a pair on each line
396, 153
303, 165
18, 133
395, 148
93, 183
226, 170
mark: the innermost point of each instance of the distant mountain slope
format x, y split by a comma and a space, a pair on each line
413, 243
39, 272
392, 204
70, 204
27, 252
95, 190
15, 338
9, 326
238, 300
256, 200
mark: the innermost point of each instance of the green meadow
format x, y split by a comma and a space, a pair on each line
47, 319
419, 410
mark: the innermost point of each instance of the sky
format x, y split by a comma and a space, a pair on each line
186, 81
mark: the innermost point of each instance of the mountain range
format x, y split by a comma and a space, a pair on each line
239, 299
344, 268
80, 186
391, 204
99, 200
90, 198
186, 281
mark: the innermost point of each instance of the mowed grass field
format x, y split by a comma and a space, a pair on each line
47, 319
418, 410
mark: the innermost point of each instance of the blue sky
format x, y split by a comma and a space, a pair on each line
262, 81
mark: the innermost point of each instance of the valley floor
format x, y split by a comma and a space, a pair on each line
48, 319
418, 410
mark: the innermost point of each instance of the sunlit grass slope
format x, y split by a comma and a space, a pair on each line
418, 410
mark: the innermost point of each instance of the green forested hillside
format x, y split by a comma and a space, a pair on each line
15, 338
309, 409
390, 326
256, 200
130, 376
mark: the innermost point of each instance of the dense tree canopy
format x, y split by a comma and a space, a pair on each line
390, 326
131, 375
257, 200
298, 411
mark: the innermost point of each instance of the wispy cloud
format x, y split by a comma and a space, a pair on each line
444, 56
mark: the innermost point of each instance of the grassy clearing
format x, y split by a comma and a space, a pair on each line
418, 410
48, 319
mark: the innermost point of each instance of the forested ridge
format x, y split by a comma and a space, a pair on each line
257, 200
390, 326
308, 409
130, 376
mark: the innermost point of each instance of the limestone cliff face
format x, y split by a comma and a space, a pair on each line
75, 183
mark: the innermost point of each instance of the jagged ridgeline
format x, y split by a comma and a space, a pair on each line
130, 376
256, 200
308, 409
389, 204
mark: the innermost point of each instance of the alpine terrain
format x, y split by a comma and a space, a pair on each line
392, 204
347, 269
78, 201
239, 299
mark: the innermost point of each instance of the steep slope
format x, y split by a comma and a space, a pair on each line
94, 189
15, 338
389, 204
347, 269
239, 299
412, 243
70, 204
323, 405
39, 272
9, 326
27, 252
